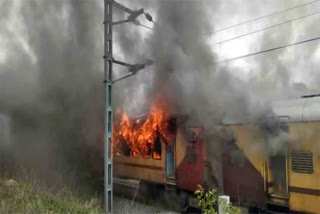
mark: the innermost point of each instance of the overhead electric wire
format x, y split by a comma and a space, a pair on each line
252, 20
267, 28
261, 17
268, 50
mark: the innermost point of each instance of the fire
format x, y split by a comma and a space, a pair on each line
136, 154
156, 155
141, 135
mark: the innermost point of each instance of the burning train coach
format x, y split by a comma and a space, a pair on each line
154, 149
275, 165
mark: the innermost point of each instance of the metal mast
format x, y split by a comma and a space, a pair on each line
108, 80
108, 168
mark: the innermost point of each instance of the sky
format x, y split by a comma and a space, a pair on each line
221, 14
298, 31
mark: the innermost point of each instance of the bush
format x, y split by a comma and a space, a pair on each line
207, 201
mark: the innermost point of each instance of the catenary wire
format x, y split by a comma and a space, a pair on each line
267, 28
268, 50
262, 17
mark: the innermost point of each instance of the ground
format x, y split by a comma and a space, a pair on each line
126, 206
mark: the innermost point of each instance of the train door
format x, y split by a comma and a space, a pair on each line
190, 161
277, 174
170, 161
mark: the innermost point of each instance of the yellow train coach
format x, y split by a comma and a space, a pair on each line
276, 165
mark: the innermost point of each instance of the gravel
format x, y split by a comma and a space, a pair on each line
124, 206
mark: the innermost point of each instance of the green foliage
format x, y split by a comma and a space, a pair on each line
24, 198
207, 201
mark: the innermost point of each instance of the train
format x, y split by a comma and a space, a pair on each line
273, 167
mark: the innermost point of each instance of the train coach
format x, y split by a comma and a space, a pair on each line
276, 167
176, 164
281, 171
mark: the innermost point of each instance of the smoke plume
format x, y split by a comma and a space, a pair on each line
187, 74
51, 75
51, 84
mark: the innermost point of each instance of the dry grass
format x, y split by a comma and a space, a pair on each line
25, 198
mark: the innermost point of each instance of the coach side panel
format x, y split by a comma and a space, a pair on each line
244, 168
304, 183
141, 168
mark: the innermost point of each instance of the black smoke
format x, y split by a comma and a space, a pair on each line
52, 91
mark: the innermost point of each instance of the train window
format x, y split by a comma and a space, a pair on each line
237, 158
136, 154
146, 155
301, 162
157, 149
156, 156
125, 149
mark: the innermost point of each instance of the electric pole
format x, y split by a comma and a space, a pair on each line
108, 169
108, 80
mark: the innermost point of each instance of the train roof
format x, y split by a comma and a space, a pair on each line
306, 109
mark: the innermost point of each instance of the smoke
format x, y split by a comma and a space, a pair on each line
51, 72
186, 73
185, 70
187, 76
51, 84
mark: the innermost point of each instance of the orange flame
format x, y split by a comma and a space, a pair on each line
155, 155
136, 154
140, 136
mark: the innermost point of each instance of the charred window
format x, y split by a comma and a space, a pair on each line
156, 156
125, 149
301, 162
172, 126
144, 136
136, 154
147, 153
157, 149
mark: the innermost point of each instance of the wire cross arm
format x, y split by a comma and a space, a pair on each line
131, 18
121, 78
121, 63
133, 68
133, 14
